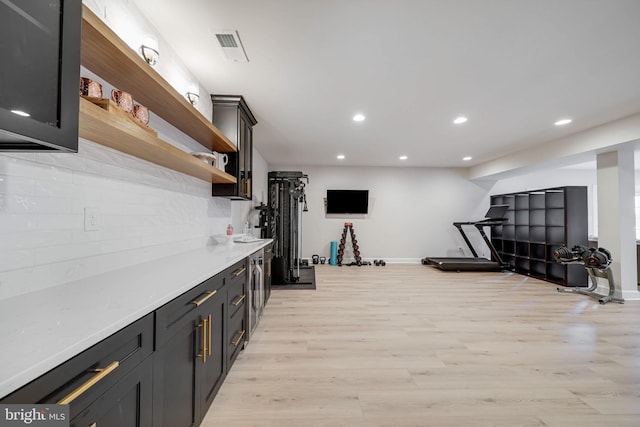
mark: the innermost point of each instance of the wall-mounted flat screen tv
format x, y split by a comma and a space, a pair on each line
347, 201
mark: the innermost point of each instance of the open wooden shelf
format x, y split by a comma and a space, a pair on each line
105, 54
122, 134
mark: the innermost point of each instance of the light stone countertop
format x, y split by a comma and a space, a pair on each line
42, 329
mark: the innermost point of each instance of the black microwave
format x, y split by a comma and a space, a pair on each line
39, 74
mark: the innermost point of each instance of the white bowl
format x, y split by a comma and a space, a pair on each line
208, 158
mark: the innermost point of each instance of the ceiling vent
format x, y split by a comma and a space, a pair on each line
231, 46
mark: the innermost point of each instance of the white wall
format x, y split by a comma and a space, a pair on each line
411, 211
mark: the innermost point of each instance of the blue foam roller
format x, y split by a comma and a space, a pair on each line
333, 260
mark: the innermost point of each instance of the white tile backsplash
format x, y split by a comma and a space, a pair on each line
144, 212
12, 223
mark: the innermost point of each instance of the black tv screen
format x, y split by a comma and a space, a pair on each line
347, 201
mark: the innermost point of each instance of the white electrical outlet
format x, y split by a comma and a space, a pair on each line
90, 219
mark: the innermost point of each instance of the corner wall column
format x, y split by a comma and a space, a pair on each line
616, 218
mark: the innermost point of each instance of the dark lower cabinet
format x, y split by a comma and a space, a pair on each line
121, 366
211, 373
192, 354
174, 379
189, 363
127, 404
197, 337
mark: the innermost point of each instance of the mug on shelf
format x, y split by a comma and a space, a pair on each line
221, 160
123, 100
141, 113
89, 87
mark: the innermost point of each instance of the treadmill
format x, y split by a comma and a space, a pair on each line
494, 216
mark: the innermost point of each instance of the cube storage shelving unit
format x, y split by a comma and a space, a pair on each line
539, 222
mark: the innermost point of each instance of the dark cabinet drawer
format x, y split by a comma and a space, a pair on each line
172, 316
108, 362
236, 273
236, 337
236, 296
127, 404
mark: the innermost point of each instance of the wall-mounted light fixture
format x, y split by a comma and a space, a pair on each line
149, 50
193, 95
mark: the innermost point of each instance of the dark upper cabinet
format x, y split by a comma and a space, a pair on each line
39, 75
232, 116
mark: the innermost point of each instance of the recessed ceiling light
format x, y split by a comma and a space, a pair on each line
460, 120
466, 159
563, 122
403, 157
358, 117
340, 156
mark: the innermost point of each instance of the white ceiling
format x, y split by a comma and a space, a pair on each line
513, 67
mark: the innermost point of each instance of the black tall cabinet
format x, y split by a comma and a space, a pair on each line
539, 222
232, 116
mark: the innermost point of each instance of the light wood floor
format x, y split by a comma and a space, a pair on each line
408, 345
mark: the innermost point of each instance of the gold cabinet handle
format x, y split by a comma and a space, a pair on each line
203, 299
237, 340
101, 373
239, 300
209, 341
239, 272
203, 337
